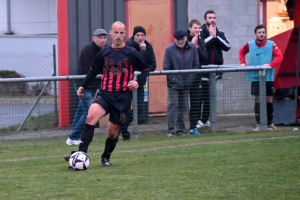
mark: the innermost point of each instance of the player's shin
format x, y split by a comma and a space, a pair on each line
110, 145
86, 137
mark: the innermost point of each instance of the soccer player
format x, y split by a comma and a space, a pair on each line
117, 64
261, 52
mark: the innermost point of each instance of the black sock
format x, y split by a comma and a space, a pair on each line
110, 145
86, 137
270, 113
257, 113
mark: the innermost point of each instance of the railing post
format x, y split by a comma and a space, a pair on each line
262, 100
213, 100
55, 88
135, 112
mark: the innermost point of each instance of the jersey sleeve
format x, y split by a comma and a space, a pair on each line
277, 56
96, 68
242, 53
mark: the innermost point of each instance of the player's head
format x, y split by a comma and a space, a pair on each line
194, 27
210, 18
260, 33
100, 37
117, 33
139, 34
180, 38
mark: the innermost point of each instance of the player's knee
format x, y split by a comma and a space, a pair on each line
112, 131
91, 119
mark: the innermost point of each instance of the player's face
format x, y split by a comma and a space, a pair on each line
139, 37
211, 19
100, 40
180, 42
260, 34
194, 30
117, 34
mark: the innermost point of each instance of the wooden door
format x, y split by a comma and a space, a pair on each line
156, 16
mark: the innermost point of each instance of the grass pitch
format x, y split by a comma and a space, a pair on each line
246, 165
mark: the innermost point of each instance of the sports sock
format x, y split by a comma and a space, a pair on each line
270, 113
86, 137
110, 145
257, 113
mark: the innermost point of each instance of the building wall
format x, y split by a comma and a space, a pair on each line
29, 17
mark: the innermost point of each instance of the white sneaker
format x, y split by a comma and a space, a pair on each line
170, 135
273, 127
200, 124
256, 128
208, 124
73, 142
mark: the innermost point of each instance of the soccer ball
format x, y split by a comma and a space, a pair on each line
79, 161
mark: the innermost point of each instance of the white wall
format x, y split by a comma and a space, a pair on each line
29, 17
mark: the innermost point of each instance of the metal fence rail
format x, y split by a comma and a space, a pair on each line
231, 104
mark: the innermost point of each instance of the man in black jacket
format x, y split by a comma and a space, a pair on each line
87, 55
216, 42
139, 42
195, 91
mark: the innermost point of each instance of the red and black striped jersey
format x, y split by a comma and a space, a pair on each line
117, 67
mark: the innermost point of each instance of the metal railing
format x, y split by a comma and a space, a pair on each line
211, 69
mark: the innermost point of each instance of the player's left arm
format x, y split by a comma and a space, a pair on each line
222, 42
277, 56
141, 66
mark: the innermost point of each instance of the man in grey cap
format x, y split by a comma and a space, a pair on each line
179, 55
87, 55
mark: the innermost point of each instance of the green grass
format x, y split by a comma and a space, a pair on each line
246, 165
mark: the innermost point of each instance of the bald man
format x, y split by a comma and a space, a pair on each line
117, 63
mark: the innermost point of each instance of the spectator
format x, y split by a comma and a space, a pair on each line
139, 42
216, 42
87, 55
180, 55
261, 52
195, 91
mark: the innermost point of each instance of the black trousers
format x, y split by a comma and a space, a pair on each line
205, 100
195, 105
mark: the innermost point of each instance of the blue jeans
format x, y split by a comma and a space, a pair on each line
81, 113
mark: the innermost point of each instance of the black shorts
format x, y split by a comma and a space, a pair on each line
117, 104
269, 88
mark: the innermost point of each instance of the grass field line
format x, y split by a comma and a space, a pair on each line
208, 143
166, 147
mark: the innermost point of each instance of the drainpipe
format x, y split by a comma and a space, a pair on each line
9, 32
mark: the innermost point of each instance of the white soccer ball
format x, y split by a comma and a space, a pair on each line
79, 161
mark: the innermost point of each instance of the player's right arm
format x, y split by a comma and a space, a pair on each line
242, 54
96, 68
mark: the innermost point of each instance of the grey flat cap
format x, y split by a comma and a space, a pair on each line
100, 32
